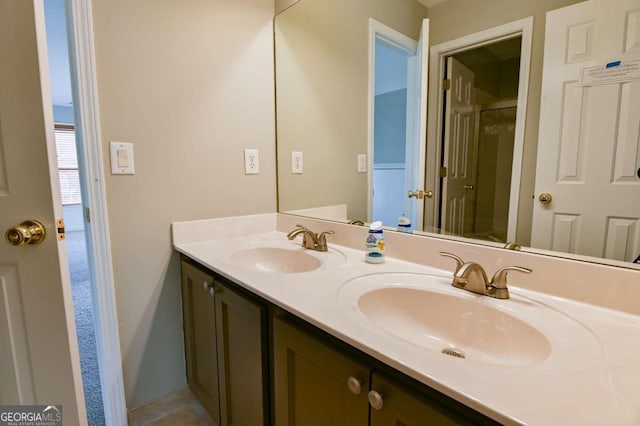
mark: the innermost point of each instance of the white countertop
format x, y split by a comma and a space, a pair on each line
601, 387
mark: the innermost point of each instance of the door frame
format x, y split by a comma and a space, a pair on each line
94, 201
378, 30
438, 54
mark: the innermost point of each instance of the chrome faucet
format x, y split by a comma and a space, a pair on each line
471, 276
310, 240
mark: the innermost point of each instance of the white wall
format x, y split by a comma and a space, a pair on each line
191, 85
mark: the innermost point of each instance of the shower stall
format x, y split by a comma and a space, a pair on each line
496, 133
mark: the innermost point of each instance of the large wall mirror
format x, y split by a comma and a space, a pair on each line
492, 121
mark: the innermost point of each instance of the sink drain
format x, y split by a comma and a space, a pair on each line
453, 352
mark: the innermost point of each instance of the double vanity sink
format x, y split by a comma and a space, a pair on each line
532, 358
426, 311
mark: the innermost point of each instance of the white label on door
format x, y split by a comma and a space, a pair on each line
612, 72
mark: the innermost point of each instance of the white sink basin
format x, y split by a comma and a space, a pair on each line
427, 312
274, 259
281, 257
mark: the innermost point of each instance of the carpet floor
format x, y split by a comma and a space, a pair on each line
83, 306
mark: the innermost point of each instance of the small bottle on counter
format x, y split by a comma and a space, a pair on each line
404, 224
375, 243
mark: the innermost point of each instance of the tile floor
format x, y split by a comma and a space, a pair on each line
178, 408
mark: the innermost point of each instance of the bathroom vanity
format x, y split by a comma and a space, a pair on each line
317, 379
327, 338
226, 345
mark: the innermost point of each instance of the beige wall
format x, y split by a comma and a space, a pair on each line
281, 5
322, 90
191, 85
456, 18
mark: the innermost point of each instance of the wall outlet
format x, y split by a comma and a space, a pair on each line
296, 162
362, 163
251, 162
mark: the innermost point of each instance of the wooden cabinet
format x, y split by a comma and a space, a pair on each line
311, 381
314, 385
242, 361
225, 345
400, 407
201, 354
309, 378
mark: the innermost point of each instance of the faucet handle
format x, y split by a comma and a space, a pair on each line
458, 260
499, 279
512, 245
321, 240
321, 236
302, 227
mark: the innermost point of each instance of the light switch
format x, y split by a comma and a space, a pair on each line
121, 158
362, 163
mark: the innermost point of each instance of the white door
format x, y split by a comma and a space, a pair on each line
589, 144
392, 135
460, 150
38, 352
393, 181
417, 126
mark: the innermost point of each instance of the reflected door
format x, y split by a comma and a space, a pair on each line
37, 365
460, 151
417, 151
589, 145
399, 124
391, 134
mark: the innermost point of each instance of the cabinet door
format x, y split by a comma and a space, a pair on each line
311, 382
199, 338
241, 338
401, 407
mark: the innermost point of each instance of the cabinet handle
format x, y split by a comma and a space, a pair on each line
375, 400
355, 385
211, 287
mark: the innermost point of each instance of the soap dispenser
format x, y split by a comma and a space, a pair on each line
404, 224
375, 243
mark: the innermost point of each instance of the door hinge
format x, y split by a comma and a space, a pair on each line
446, 84
87, 214
443, 172
60, 229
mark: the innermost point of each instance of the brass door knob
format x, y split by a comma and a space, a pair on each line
29, 232
545, 198
418, 193
468, 187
